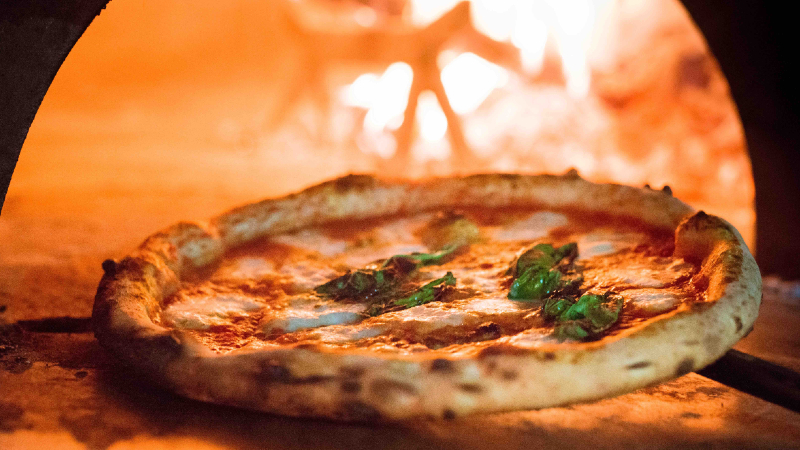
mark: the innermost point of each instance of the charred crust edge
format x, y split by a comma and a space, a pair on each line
685, 366
442, 365
109, 267
639, 365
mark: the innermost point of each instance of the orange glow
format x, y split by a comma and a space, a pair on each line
469, 79
528, 24
267, 97
389, 98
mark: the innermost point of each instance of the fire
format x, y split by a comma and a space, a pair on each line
623, 91
469, 79
528, 25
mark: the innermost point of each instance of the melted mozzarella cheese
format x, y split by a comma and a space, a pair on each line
317, 258
637, 276
345, 334
534, 226
605, 242
202, 312
392, 238
652, 301
305, 312
657, 273
307, 275
246, 268
479, 279
425, 319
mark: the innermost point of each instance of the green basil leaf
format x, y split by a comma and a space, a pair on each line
352, 284
580, 308
595, 312
545, 256
534, 284
427, 293
554, 307
566, 251
570, 330
421, 259
540, 256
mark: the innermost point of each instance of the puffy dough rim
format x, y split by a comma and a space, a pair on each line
361, 386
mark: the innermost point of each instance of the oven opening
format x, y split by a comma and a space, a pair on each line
239, 100
172, 111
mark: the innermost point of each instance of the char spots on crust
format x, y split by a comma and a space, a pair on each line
639, 365
273, 372
350, 386
685, 366
448, 414
358, 411
509, 375
732, 261
738, 321
352, 371
354, 181
501, 349
486, 332
384, 388
471, 388
109, 267
307, 346
442, 365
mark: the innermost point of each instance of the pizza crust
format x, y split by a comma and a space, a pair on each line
316, 381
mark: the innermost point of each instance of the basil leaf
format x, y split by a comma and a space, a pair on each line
540, 272
420, 259
596, 309
579, 309
363, 283
541, 256
554, 307
358, 283
545, 256
428, 292
534, 284
570, 330
593, 314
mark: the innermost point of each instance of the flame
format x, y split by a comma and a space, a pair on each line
530, 36
469, 79
575, 19
528, 25
386, 98
430, 118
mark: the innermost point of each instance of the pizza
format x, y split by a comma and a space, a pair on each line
364, 299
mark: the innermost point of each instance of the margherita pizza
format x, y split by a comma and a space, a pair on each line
361, 299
